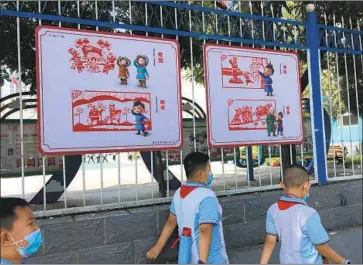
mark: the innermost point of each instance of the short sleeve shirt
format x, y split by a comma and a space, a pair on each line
299, 229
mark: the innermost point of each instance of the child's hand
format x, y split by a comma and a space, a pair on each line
153, 253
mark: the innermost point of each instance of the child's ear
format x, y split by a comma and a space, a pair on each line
5, 239
282, 185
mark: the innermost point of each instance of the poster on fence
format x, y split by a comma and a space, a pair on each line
253, 96
10, 162
106, 92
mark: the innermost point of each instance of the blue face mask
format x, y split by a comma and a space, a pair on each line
34, 240
210, 179
306, 197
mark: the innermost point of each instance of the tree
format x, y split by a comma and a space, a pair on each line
78, 113
126, 111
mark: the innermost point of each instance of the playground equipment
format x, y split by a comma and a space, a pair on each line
258, 157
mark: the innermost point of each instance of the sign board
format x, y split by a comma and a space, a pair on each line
11, 153
253, 96
107, 92
228, 4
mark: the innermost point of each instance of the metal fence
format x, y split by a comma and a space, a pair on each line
332, 148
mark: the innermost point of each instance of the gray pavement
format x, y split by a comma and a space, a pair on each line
347, 243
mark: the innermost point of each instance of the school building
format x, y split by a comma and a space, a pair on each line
348, 134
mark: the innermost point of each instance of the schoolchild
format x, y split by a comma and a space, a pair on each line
20, 234
195, 208
298, 226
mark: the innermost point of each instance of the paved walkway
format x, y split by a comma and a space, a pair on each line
347, 243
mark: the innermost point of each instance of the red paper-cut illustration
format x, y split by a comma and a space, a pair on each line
51, 161
93, 57
108, 110
242, 71
30, 162
248, 114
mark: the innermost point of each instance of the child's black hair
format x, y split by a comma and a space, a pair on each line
7, 211
270, 66
281, 114
193, 162
139, 103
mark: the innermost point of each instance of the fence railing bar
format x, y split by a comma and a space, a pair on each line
357, 101
192, 79
119, 176
167, 174
146, 19
223, 172
136, 178
44, 186
181, 167
225, 12
176, 20
340, 51
330, 96
348, 98
152, 173
342, 29
235, 166
43, 157
339, 94
361, 63
143, 28
64, 182
101, 176
20, 87
84, 180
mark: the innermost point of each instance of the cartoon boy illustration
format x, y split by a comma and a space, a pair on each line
123, 72
269, 71
140, 63
270, 121
137, 110
279, 122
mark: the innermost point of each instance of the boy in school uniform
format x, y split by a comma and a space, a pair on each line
298, 226
20, 235
195, 204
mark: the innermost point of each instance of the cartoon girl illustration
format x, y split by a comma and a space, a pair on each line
137, 110
268, 72
140, 63
123, 72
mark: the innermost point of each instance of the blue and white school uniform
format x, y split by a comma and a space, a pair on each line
299, 229
4, 261
195, 204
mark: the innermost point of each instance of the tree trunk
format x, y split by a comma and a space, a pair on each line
159, 173
238, 155
286, 155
